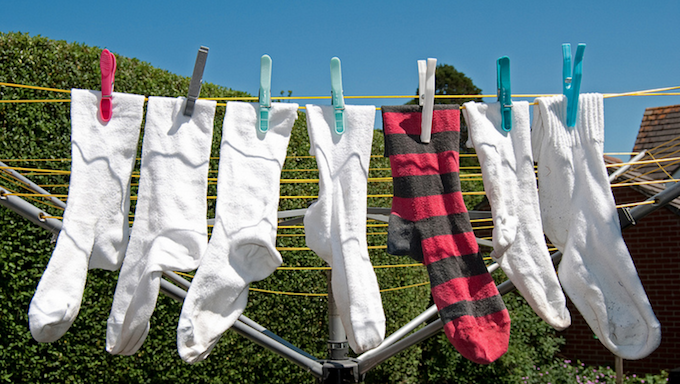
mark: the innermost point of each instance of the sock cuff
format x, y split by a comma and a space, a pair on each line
118, 137
124, 105
357, 138
406, 119
484, 121
240, 128
550, 115
591, 117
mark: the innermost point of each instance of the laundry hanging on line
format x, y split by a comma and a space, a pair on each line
340, 122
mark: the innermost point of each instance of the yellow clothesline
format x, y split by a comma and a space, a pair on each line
648, 92
646, 202
325, 294
47, 172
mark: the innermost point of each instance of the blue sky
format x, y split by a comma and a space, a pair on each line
630, 45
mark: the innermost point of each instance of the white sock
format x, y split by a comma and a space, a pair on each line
242, 247
580, 218
510, 184
170, 228
95, 226
335, 225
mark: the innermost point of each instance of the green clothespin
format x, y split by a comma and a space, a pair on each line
265, 96
571, 85
337, 96
504, 94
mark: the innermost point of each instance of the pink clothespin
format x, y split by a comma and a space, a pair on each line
107, 65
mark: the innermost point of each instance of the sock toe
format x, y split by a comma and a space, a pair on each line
47, 333
634, 341
113, 331
189, 345
48, 321
480, 339
123, 341
135, 341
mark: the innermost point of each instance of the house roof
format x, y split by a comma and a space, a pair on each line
640, 182
659, 136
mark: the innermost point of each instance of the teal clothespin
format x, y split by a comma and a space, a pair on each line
504, 94
336, 96
572, 83
265, 96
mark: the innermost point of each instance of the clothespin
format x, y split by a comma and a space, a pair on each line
107, 67
572, 84
504, 94
426, 70
196, 80
337, 97
265, 96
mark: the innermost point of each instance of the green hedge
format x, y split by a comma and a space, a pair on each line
42, 131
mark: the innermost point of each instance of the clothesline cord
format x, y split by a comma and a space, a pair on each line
648, 92
42, 172
47, 172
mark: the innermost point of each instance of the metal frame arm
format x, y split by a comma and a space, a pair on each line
321, 369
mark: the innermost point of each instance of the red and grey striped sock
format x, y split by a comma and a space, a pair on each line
430, 223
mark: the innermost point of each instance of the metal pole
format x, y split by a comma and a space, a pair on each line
374, 358
31, 185
408, 328
660, 199
184, 283
305, 361
625, 168
337, 338
302, 360
619, 369
398, 334
29, 212
392, 345
36, 216
422, 334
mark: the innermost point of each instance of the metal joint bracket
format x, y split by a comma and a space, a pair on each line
335, 371
625, 217
343, 345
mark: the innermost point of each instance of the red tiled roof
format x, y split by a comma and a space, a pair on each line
659, 135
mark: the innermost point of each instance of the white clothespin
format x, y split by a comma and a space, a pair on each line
426, 86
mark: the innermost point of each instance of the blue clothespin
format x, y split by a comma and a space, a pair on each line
265, 96
572, 84
196, 81
336, 96
504, 94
